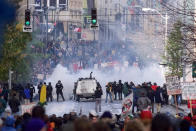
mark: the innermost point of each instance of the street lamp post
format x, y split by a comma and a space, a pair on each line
10, 78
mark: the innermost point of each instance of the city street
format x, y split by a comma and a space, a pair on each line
86, 106
83, 65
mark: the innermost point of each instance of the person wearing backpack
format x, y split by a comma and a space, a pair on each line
143, 102
108, 92
14, 104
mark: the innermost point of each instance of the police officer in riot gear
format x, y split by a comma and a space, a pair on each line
32, 91
114, 87
39, 88
74, 90
49, 90
59, 90
120, 87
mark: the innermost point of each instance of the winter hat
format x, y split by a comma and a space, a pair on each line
107, 114
93, 113
10, 120
146, 115
35, 125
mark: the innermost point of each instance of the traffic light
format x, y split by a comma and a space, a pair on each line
94, 17
27, 17
194, 69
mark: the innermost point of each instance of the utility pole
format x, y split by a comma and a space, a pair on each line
94, 30
27, 4
166, 23
46, 19
55, 25
108, 26
33, 20
184, 51
10, 78
67, 33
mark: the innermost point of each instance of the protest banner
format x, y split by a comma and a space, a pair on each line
173, 85
189, 91
127, 105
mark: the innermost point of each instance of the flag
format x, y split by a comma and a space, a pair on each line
43, 94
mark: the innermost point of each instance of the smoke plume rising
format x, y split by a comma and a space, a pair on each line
151, 73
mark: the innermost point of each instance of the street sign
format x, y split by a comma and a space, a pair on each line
27, 28
173, 85
94, 27
189, 91
88, 20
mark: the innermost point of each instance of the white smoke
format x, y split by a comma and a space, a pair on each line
153, 73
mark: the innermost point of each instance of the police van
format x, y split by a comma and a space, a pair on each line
85, 88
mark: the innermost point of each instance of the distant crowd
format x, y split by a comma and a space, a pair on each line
79, 54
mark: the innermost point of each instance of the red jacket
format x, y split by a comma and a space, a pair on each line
154, 87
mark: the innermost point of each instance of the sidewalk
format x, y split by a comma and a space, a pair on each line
182, 108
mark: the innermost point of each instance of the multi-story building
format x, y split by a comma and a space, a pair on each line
67, 15
112, 13
190, 48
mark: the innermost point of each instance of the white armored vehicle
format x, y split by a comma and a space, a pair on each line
85, 88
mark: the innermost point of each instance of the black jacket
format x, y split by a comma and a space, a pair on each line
14, 105
39, 88
158, 96
114, 87
59, 87
32, 89
151, 95
98, 93
49, 89
120, 87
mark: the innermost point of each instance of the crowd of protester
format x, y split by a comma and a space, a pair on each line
78, 54
144, 95
143, 121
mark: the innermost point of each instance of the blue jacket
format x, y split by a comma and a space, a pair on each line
8, 128
27, 93
191, 128
9, 123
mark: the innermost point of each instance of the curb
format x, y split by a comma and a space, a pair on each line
179, 108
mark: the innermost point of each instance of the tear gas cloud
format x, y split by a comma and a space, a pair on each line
153, 73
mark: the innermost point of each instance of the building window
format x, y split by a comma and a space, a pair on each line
62, 1
63, 4
116, 7
53, 3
